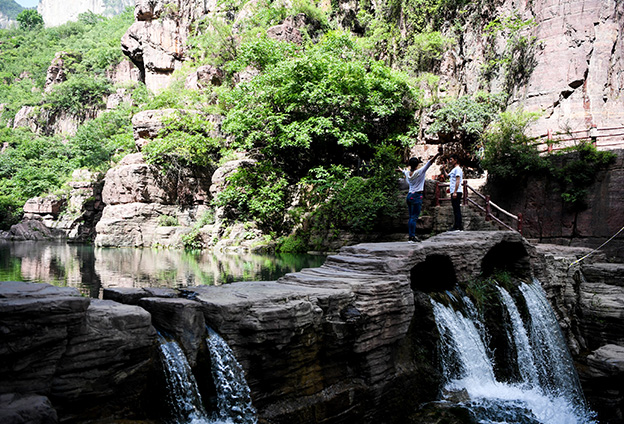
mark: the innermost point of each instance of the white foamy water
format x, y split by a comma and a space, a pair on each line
540, 397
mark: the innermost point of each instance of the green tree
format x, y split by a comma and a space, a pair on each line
29, 19
326, 105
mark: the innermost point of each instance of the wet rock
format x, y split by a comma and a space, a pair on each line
180, 318
22, 409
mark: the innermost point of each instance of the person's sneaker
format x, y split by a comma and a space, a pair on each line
413, 240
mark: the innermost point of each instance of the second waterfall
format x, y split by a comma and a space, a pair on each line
546, 389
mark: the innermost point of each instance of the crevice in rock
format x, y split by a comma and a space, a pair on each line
506, 256
435, 274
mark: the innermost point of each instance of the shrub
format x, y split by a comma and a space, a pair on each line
184, 140
29, 19
167, 221
329, 101
78, 94
510, 156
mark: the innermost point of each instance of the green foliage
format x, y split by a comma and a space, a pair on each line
355, 203
292, 244
468, 115
579, 172
425, 50
326, 100
193, 240
167, 221
32, 165
79, 94
105, 138
510, 155
29, 20
184, 140
517, 60
10, 211
258, 193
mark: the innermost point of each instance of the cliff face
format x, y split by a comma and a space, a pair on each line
56, 12
155, 42
6, 22
576, 78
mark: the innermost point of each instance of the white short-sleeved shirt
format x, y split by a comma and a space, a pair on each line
457, 171
417, 180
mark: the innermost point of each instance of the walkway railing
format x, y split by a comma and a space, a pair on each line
601, 138
487, 207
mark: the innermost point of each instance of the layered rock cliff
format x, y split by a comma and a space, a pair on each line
353, 340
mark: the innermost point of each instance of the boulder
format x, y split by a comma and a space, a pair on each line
147, 124
21, 409
56, 72
26, 117
49, 205
139, 225
91, 358
135, 181
289, 30
205, 76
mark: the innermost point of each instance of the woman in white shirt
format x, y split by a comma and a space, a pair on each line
416, 180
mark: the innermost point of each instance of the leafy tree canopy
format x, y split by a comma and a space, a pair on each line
29, 19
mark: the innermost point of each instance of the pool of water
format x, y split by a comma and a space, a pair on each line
90, 269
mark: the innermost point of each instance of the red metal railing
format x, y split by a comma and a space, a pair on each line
486, 208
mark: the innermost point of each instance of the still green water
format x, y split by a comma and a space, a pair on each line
90, 269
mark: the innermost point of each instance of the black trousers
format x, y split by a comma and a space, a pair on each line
456, 202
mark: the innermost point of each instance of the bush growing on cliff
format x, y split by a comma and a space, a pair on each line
511, 157
185, 140
79, 94
322, 106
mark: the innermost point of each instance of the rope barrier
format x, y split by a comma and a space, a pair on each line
596, 249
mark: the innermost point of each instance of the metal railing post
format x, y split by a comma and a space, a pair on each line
520, 222
488, 208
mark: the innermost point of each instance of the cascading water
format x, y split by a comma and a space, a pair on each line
185, 402
520, 339
558, 377
233, 396
182, 393
468, 366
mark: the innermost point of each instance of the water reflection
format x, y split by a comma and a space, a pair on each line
90, 269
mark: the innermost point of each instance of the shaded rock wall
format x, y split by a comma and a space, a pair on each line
86, 356
549, 220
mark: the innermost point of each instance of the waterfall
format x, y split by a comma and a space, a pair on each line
182, 393
468, 366
520, 340
233, 395
558, 377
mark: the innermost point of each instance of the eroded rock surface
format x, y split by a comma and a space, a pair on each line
78, 352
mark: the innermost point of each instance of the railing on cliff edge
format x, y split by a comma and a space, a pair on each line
613, 135
486, 208
548, 141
